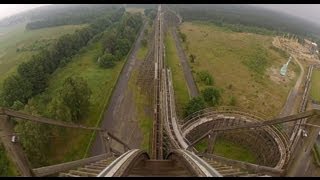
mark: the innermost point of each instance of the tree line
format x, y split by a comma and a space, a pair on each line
73, 98
248, 18
32, 76
118, 41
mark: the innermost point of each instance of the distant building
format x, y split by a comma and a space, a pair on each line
313, 47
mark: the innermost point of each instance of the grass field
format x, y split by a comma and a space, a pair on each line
229, 150
17, 37
179, 83
238, 64
315, 85
135, 10
101, 82
145, 120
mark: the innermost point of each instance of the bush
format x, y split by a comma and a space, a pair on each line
211, 95
206, 78
194, 105
107, 61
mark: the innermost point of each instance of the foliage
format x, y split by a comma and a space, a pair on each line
194, 105
211, 95
15, 89
107, 61
206, 78
37, 70
192, 58
34, 138
58, 110
17, 105
4, 162
118, 41
75, 98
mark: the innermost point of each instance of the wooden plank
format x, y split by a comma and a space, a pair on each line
48, 170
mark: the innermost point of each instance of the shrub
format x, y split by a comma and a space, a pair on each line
194, 105
211, 95
107, 61
206, 78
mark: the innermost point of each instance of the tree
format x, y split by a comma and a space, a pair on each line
107, 61
17, 105
109, 42
75, 95
192, 58
123, 47
194, 105
16, 88
34, 138
58, 110
211, 95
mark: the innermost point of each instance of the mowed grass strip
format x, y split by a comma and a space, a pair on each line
222, 53
315, 85
180, 87
144, 118
101, 82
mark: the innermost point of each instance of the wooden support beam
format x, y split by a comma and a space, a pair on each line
49, 170
14, 150
25, 116
247, 125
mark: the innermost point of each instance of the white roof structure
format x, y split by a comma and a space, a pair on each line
315, 44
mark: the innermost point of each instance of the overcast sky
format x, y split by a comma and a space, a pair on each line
306, 11
309, 11
10, 9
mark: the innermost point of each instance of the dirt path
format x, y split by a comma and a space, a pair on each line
119, 116
192, 87
292, 97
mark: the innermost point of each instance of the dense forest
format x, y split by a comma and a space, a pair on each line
247, 15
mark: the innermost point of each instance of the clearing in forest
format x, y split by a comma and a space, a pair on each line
240, 64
